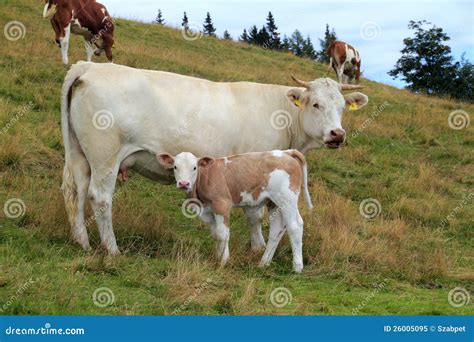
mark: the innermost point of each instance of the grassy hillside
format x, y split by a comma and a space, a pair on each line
404, 261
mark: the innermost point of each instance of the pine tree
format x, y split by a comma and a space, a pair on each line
253, 35
227, 35
244, 37
159, 18
308, 49
271, 27
329, 37
185, 22
263, 38
296, 43
208, 26
285, 45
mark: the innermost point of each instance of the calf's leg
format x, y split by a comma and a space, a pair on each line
277, 229
254, 219
220, 231
292, 219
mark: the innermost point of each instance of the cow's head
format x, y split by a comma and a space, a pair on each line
321, 104
49, 8
185, 167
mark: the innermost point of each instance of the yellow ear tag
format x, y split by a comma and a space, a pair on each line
297, 103
353, 106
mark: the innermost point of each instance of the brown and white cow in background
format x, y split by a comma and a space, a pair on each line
86, 18
345, 60
249, 180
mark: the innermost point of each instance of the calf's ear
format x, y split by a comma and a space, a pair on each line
356, 100
296, 96
206, 161
165, 159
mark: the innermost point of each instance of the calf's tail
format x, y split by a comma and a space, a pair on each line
304, 168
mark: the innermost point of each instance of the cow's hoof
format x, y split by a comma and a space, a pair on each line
297, 268
258, 248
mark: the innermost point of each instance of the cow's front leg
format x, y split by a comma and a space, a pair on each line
220, 231
255, 219
64, 43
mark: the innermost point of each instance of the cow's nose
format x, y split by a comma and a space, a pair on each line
183, 184
338, 135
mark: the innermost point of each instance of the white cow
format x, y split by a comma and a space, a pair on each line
113, 116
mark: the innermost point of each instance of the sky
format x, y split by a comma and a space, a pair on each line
375, 28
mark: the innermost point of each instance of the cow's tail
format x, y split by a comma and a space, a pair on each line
71, 145
302, 161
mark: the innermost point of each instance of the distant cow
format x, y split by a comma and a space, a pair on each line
345, 61
86, 18
249, 180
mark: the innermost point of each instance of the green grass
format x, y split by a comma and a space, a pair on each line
408, 158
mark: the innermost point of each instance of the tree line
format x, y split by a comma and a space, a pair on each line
426, 64
268, 37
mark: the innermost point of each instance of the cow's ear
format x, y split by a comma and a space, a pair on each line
165, 159
296, 96
206, 161
356, 100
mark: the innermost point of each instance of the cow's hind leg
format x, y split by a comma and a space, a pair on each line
255, 219
101, 191
76, 179
277, 229
220, 232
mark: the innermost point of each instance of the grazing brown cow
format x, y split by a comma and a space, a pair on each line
248, 180
345, 61
86, 18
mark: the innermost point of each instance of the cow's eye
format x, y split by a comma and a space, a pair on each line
195, 168
175, 167
316, 105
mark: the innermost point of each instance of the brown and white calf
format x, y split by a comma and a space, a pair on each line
246, 180
86, 18
345, 61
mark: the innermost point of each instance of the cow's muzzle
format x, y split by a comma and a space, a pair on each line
337, 138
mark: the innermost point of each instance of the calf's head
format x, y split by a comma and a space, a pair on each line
322, 103
185, 167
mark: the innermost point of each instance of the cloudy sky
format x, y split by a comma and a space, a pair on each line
376, 28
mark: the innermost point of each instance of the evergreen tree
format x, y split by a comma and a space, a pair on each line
263, 38
426, 62
285, 45
329, 37
296, 43
274, 42
227, 35
308, 49
159, 18
185, 22
253, 35
244, 37
208, 26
